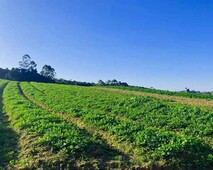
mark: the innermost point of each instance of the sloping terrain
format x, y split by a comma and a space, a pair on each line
69, 127
194, 101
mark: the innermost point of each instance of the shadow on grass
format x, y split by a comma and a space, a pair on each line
92, 156
8, 140
106, 157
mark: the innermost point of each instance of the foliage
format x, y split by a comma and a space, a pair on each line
27, 72
27, 64
111, 83
48, 71
17, 74
50, 133
162, 134
178, 135
166, 92
8, 138
73, 82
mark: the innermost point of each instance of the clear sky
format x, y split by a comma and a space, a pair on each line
166, 44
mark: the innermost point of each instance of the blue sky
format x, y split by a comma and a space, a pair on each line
166, 44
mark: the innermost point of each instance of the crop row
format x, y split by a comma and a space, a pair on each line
150, 112
2, 84
164, 92
50, 138
97, 108
8, 136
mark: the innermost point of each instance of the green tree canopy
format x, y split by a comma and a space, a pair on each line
48, 71
27, 64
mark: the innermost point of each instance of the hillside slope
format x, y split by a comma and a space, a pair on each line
189, 94
170, 98
72, 127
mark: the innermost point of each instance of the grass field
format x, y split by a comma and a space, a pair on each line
51, 126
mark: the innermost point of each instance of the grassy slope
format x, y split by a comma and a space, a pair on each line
8, 137
170, 98
94, 102
50, 142
177, 123
163, 92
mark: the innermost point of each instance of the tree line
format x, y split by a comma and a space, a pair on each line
27, 71
111, 83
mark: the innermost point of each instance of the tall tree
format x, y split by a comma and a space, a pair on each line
100, 83
48, 71
27, 64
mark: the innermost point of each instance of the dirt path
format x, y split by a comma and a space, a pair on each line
177, 99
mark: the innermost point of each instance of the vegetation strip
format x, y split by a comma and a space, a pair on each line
147, 111
50, 142
112, 140
118, 116
8, 137
163, 143
203, 102
185, 94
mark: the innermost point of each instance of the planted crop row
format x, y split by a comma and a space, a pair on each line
165, 92
3, 84
8, 138
51, 141
90, 106
150, 112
